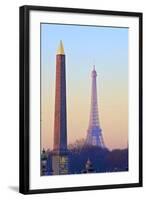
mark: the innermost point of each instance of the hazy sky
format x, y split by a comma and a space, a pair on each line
85, 46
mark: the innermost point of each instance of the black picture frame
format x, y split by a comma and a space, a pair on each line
25, 105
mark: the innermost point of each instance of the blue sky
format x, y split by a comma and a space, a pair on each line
86, 45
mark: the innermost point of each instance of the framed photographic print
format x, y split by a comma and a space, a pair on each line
80, 99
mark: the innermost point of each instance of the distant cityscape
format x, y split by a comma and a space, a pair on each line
89, 155
88, 160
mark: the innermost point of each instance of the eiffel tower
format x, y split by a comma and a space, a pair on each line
94, 132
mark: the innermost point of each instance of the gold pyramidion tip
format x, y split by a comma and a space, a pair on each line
60, 48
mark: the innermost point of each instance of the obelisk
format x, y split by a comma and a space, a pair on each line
60, 157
